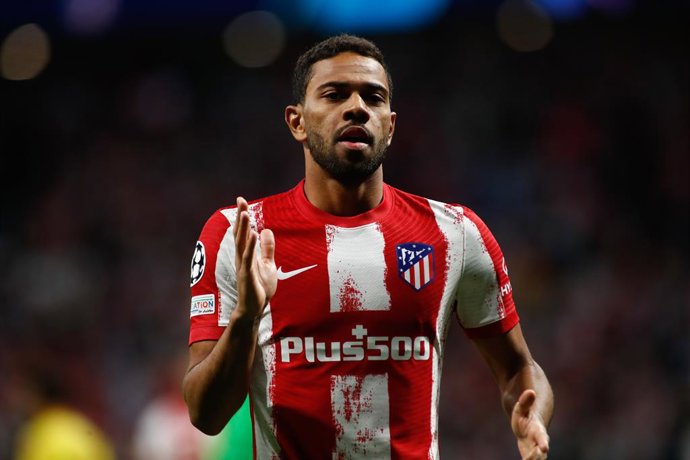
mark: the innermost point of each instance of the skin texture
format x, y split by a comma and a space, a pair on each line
344, 91
343, 179
525, 391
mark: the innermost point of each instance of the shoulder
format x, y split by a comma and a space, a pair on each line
453, 213
406, 198
224, 217
218, 221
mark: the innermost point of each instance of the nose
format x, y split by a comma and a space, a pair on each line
356, 109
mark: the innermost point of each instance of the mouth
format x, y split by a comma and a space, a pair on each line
355, 138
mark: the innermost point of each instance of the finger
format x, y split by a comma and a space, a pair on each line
525, 403
537, 454
248, 256
268, 246
241, 237
241, 206
542, 441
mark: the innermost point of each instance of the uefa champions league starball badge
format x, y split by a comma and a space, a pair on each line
198, 263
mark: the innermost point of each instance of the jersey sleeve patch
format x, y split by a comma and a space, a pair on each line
203, 305
198, 263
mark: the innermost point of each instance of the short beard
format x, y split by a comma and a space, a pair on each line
351, 171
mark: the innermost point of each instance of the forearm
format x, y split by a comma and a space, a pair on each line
215, 388
529, 376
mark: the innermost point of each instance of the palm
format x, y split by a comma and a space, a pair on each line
266, 276
257, 277
529, 429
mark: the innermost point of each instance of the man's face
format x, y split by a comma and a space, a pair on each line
347, 116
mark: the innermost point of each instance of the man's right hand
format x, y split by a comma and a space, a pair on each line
257, 277
215, 385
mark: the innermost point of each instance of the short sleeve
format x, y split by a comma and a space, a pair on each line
484, 299
213, 280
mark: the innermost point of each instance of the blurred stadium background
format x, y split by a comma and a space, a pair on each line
564, 123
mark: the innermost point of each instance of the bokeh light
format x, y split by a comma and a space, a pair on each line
611, 6
90, 17
24, 53
370, 16
254, 39
523, 25
564, 10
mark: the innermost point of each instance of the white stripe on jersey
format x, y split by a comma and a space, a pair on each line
226, 276
450, 221
265, 357
481, 286
256, 216
357, 268
262, 389
360, 406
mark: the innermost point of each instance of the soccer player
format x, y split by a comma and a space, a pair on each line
329, 303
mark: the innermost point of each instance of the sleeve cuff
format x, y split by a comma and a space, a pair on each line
490, 330
200, 333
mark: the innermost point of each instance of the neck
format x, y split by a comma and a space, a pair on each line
338, 199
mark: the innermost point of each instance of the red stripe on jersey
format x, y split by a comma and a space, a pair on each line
300, 390
509, 316
415, 314
205, 327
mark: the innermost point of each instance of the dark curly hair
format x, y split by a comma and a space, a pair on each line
328, 48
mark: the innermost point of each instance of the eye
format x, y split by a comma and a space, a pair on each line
376, 98
332, 95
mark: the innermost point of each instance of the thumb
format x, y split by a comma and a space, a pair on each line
525, 403
268, 245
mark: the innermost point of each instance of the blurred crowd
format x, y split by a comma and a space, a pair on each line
576, 156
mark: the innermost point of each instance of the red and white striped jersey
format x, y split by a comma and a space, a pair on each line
349, 352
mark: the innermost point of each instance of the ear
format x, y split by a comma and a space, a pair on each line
294, 120
391, 130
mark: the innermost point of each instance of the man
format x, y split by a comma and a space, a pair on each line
343, 358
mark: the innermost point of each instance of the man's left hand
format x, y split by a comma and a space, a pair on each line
529, 429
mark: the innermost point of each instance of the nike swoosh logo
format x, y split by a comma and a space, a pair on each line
285, 275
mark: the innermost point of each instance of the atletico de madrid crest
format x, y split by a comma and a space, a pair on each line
415, 264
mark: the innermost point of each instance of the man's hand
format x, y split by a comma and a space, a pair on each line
256, 276
216, 382
529, 429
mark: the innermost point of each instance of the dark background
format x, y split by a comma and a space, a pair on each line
575, 154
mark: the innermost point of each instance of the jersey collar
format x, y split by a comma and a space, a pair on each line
313, 213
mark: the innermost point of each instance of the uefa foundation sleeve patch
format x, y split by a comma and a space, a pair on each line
203, 305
